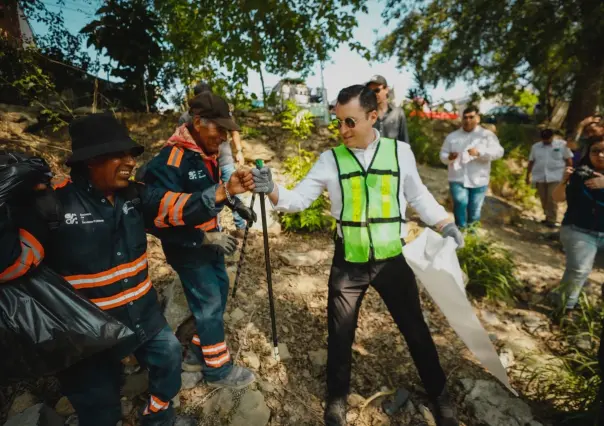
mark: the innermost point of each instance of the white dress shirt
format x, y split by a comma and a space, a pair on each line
472, 172
549, 161
324, 175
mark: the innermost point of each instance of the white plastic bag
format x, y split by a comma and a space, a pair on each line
435, 264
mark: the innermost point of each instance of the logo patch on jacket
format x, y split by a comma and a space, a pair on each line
196, 174
81, 218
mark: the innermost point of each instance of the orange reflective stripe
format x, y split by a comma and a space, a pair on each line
156, 404
166, 205
218, 361
61, 183
124, 297
175, 157
209, 225
195, 340
31, 255
214, 349
109, 276
176, 215
33, 243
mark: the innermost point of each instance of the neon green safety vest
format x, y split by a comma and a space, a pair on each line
371, 217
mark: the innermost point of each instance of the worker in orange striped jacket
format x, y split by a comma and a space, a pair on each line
100, 247
188, 163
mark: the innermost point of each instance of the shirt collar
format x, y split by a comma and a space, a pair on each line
372, 146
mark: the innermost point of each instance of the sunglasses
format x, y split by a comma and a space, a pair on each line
349, 121
377, 90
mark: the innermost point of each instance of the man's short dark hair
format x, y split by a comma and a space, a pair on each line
201, 87
367, 98
547, 134
471, 108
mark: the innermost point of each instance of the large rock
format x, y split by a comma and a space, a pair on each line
21, 403
491, 405
176, 308
38, 415
309, 258
252, 410
220, 404
190, 379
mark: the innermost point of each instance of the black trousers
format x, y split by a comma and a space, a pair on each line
395, 282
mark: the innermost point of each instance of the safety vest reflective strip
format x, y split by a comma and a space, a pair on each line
109, 276
124, 297
370, 220
209, 225
171, 209
31, 255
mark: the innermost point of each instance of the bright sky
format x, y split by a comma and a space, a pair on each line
344, 69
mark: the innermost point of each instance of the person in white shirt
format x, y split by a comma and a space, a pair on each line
469, 152
370, 181
547, 162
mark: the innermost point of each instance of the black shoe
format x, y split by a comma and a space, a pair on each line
444, 410
335, 412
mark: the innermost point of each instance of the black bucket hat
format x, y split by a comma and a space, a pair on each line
99, 134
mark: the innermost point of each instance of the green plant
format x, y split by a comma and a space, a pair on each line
424, 142
489, 268
316, 216
250, 132
573, 386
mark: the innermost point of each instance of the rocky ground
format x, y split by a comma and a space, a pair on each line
291, 392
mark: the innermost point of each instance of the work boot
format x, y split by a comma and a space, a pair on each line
335, 411
238, 378
444, 410
191, 363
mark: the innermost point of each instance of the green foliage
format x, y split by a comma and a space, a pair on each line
503, 45
279, 36
298, 121
425, 144
489, 268
508, 174
316, 217
129, 32
526, 100
574, 387
250, 132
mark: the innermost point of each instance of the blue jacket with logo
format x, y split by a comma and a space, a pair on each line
99, 247
182, 170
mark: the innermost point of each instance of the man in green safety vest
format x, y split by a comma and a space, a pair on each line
370, 180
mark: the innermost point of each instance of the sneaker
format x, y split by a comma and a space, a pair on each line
444, 410
335, 412
191, 363
238, 378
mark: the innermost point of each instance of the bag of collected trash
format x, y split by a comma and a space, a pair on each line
45, 326
19, 174
434, 263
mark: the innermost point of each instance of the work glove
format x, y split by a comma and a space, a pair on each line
244, 211
263, 180
451, 230
221, 242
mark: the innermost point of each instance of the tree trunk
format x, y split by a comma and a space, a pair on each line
586, 93
262, 82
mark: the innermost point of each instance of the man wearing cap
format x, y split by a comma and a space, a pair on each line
391, 121
98, 244
370, 179
226, 160
188, 162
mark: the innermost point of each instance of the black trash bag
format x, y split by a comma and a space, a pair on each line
19, 174
45, 327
